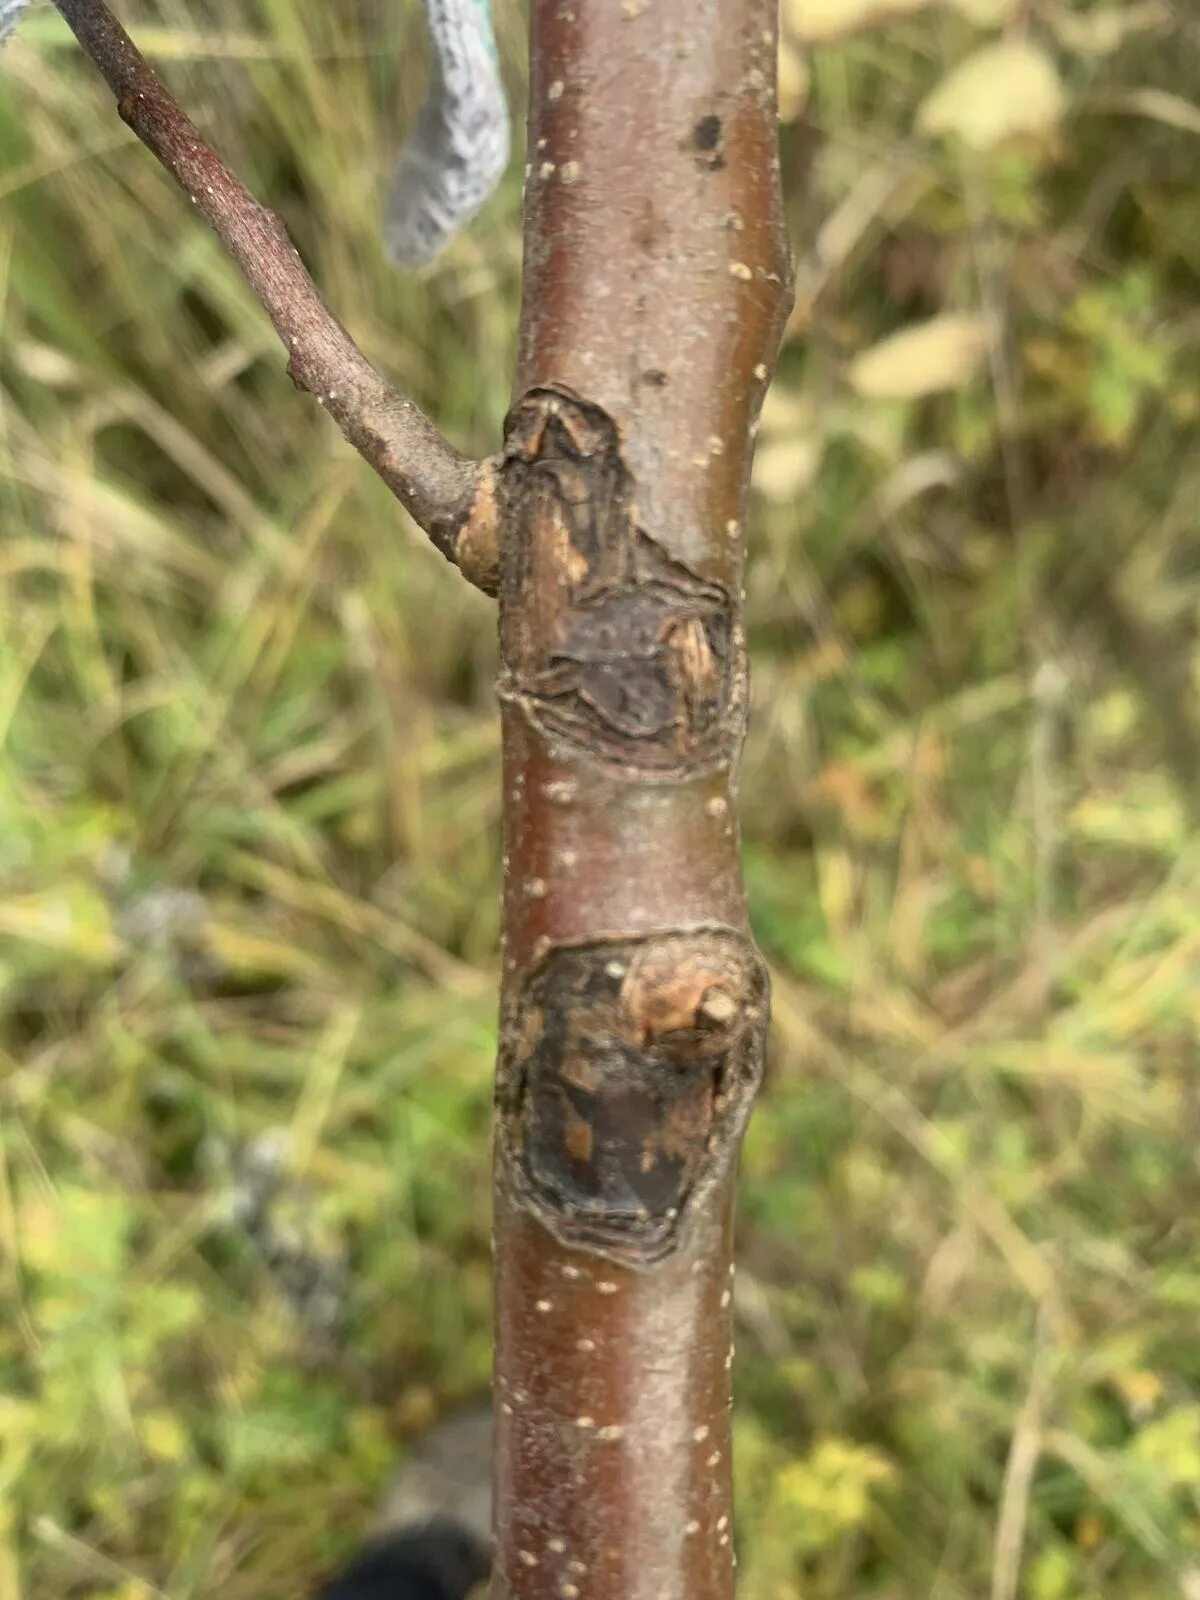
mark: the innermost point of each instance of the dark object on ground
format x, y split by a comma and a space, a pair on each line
445, 1477
432, 1537
442, 1560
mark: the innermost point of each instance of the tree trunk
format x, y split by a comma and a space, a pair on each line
634, 1003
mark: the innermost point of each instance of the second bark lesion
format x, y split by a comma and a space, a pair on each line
627, 1073
614, 647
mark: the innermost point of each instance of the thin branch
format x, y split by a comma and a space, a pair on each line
450, 496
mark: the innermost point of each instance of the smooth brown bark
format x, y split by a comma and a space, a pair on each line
634, 1005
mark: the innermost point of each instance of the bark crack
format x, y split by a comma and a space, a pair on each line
614, 648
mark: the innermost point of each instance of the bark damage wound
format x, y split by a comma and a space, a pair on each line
625, 1083
613, 647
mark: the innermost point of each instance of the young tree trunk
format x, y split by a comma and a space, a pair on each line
634, 1002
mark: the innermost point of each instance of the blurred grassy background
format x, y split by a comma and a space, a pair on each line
248, 822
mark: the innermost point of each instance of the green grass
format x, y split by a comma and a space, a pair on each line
249, 818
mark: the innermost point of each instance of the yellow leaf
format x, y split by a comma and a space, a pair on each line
1140, 1389
163, 1436
829, 1493
41, 1234
795, 81
782, 467
73, 919
998, 92
925, 358
785, 412
986, 13
1103, 31
1149, 821
817, 21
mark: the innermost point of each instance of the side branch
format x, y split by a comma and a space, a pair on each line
450, 496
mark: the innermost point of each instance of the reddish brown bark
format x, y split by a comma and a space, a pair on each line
634, 1008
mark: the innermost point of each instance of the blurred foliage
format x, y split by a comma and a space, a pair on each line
248, 822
